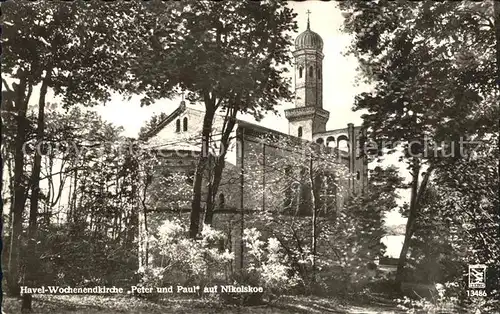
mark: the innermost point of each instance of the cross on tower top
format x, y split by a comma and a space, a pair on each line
308, 13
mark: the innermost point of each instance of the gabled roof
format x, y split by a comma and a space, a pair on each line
240, 123
167, 120
251, 129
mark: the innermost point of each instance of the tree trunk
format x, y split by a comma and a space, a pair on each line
415, 203
195, 215
143, 238
143, 234
11, 189
31, 253
134, 218
409, 223
37, 165
80, 216
20, 187
73, 196
219, 168
209, 200
496, 13
1, 217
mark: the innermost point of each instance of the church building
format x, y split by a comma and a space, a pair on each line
260, 187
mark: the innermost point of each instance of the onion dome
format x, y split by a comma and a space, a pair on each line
309, 40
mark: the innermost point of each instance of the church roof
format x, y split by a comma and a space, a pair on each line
256, 128
309, 40
251, 129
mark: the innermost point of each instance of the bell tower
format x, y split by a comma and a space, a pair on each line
308, 116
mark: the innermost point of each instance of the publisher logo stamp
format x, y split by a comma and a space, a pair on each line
477, 276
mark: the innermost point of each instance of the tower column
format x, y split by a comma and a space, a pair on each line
308, 117
352, 155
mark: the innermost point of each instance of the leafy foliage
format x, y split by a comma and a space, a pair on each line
354, 241
427, 81
339, 245
83, 47
81, 53
178, 260
268, 263
433, 70
87, 208
459, 225
229, 63
209, 50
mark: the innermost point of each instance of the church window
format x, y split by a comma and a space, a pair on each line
299, 132
305, 201
185, 124
221, 201
343, 142
319, 187
330, 141
319, 141
319, 74
358, 175
300, 72
330, 194
289, 190
311, 71
178, 125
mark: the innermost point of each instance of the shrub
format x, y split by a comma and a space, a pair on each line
268, 264
178, 259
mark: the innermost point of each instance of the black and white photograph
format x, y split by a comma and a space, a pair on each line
250, 157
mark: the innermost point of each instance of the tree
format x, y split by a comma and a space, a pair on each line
229, 56
99, 219
458, 226
432, 86
356, 238
81, 53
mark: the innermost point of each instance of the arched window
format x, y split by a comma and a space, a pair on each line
185, 124
319, 74
343, 142
330, 141
289, 190
311, 71
301, 69
320, 141
299, 132
358, 175
178, 125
